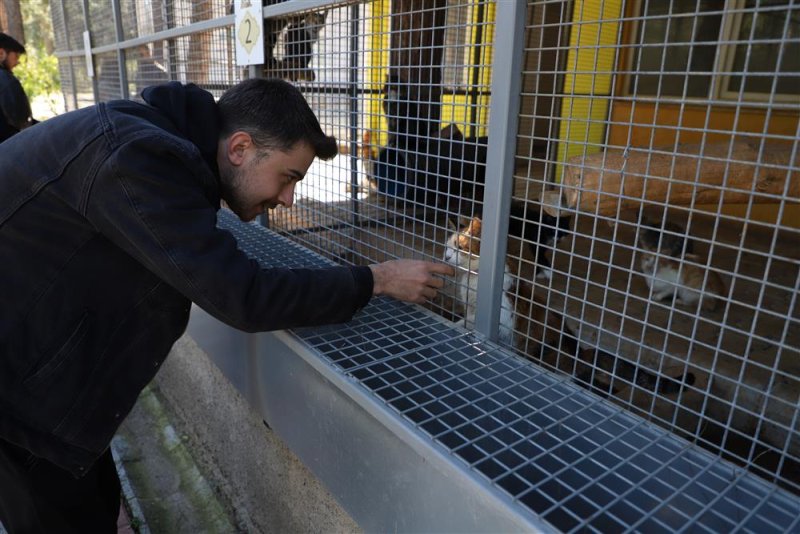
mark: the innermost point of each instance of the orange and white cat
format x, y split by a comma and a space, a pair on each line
669, 272
525, 321
463, 251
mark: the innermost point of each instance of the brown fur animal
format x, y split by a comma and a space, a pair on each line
538, 332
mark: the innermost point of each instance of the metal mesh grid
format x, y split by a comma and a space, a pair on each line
666, 95
101, 23
107, 72
650, 83
206, 58
59, 27
569, 456
83, 84
189, 11
147, 65
74, 21
68, 26
736, 366
355, 208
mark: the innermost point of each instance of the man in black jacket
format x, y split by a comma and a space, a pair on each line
15, 109
107, 234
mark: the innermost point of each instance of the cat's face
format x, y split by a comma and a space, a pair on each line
314, 23
669, 242
464, 246
648, 239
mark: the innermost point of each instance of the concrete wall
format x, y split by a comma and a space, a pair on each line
249, 467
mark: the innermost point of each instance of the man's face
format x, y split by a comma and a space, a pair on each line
12, 60
253, 182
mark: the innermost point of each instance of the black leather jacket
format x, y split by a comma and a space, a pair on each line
107, 232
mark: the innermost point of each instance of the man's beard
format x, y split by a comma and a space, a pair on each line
229, 178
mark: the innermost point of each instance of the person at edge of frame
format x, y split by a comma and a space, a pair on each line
109, 215
15, 109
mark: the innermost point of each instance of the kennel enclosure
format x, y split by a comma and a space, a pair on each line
675, 118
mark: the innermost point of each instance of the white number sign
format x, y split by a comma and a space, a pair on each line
249, 33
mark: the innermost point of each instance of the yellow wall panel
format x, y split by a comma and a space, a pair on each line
378, 69
590, 65
456, 109
582, 127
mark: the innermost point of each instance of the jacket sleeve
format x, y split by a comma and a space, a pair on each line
13, 101
148, 198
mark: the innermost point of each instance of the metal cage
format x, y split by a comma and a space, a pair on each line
618, 184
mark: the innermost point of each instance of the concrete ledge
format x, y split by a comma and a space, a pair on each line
252, 471
163, 486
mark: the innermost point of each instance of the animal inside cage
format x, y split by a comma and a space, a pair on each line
615, 182
652, 217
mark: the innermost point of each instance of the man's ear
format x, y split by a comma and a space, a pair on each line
236, 146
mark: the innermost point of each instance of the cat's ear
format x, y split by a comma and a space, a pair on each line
475, 225
464, 221
451, 224
450, 132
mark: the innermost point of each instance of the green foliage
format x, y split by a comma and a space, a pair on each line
38, 73
38, 68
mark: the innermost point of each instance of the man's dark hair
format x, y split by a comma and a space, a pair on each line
275, 114
9, 44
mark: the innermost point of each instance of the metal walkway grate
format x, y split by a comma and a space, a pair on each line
572, 458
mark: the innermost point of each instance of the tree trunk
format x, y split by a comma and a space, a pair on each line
11, 19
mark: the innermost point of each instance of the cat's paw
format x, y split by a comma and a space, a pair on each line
544, 274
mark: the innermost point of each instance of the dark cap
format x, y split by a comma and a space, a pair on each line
9, 44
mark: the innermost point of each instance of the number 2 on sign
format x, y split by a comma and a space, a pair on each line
249, 33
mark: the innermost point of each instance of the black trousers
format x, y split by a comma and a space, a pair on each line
38, 496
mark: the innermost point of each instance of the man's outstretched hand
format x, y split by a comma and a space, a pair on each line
409, 280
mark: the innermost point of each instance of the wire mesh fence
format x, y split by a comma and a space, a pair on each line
645, 244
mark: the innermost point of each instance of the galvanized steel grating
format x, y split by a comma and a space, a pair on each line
565, 454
